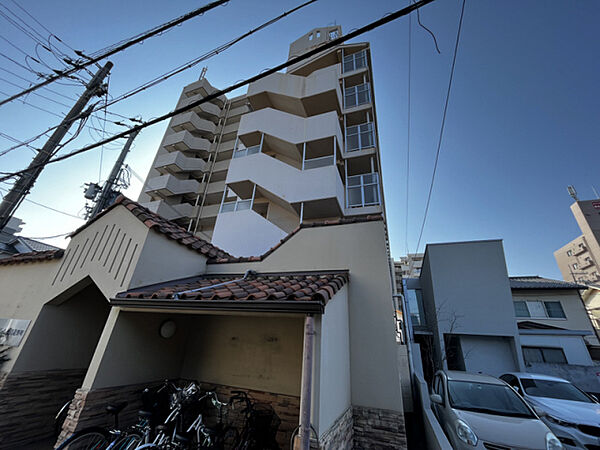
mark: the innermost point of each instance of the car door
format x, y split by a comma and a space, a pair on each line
442, 411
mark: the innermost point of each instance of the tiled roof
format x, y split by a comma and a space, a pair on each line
341, 221
166, 227
535, 282
229, 291
21, 258
36, 246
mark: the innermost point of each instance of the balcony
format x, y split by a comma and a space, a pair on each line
578, 250
204, 88
362, 190
185, 141
303, 96
293, 186
190, 121
360, 137
177, 162
357, 95
167, 185
207, 110
355, 61
170, 212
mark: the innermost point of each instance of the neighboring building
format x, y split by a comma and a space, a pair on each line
298, 147
11, 244
467, 314
578, 260
591, 299
409, 266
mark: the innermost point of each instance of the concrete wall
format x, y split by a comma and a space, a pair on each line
360, 248
574, 347
262, 353
488, 354
334, 382
228, 234
466, 291
21, 299
574, 308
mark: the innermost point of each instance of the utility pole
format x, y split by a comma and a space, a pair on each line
23, 185
106, 196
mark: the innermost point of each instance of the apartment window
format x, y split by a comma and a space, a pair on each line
539, 310
575, 266
569, 252
544, 355
357, 95
363, 190
355, 61
360, 136
333, 34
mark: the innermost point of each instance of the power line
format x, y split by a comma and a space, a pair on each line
290, 62
82, 64
439, 145
48, 207
409, 66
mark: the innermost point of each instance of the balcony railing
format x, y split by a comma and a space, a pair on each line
318, 162
240, 153
357, 95
362, 190
359, 137
354, 61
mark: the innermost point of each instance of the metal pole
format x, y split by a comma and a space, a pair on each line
105, 194
306, 390
13, 199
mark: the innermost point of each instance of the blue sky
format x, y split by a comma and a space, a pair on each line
521, 126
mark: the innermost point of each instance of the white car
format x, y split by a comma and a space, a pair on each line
571, 414
483, 412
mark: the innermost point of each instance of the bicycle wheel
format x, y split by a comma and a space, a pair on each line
128, 442
94, 438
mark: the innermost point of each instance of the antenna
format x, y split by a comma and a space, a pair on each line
572, 192
595, 192
203, 73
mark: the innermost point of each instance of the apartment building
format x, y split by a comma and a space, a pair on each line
409, 266
298, 147
578, 260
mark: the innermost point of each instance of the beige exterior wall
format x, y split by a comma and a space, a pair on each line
573, 306
361, 249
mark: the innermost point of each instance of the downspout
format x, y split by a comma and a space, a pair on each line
306, 390
247, 275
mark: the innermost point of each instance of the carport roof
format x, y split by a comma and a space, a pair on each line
304, 292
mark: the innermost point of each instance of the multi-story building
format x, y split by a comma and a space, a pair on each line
409, 266
578, 260
299, 146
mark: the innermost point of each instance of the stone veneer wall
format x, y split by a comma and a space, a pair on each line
29, 402
366, 428
88, 408
378, 429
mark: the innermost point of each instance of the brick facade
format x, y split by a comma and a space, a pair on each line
29, 402
340, 436
378, 429
88, 408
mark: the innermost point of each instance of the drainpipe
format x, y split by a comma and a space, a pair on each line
306, 390
247, 275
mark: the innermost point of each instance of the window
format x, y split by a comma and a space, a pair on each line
363, 190
539, 310
333, 34
310, 37
544, 355
575, 266
357, 95
359, 137
569, 252
354, 61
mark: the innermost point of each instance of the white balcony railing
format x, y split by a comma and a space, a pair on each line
362, 190
359, 137
314, 163
237, 205
240, 153
357, 95
354, 61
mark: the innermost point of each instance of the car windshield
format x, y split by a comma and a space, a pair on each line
553, 389
486, 398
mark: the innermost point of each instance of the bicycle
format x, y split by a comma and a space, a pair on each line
260, 425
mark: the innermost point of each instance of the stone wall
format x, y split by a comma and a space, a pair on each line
29, 402
340, 436
89, 408
378, 429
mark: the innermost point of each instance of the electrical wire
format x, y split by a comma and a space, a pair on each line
48, 207
118, 48
295, 60
429, 31
409, 67
439, 145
